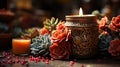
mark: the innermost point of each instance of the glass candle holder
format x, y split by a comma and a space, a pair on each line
21, 46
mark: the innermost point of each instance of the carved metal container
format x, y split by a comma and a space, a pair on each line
84, 31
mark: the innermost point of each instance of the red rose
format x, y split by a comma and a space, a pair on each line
102, 23
60, 26
114, 48
60, 50
44, 31
115, 24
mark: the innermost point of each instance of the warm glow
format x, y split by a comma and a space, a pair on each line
21, 46
80, 12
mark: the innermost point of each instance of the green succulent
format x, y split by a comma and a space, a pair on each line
103, 44
40, 45
50, 24
30, 33
104, 41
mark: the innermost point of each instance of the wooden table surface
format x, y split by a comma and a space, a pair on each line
78, 63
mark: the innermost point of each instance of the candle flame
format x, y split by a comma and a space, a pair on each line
80, 12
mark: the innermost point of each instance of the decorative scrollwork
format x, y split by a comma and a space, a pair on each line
84, 41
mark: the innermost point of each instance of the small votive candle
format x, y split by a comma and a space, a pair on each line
21, 46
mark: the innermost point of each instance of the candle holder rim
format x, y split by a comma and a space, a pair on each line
86, 15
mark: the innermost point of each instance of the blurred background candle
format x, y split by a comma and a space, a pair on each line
21, 46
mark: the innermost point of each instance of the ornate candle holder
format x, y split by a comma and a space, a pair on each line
84, 31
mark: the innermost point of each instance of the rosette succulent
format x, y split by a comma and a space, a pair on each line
30, 33
50, 24
104, 43
40, 45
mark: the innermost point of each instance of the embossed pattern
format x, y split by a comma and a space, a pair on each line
84, 41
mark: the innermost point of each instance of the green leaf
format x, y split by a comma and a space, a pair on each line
52, 20
56, 22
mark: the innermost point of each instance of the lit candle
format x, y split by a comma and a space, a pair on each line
21, 46
83, 18
84, 33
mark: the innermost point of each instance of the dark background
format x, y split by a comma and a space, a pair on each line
60, 8
32, 13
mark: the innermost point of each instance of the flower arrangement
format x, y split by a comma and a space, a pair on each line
51, 40
109, 38
60, 48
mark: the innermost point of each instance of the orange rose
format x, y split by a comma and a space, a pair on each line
58, 35
115, 24
61, 35
44, 31
102, 23
60, 26
60, 50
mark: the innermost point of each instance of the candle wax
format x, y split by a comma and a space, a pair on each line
21, 46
